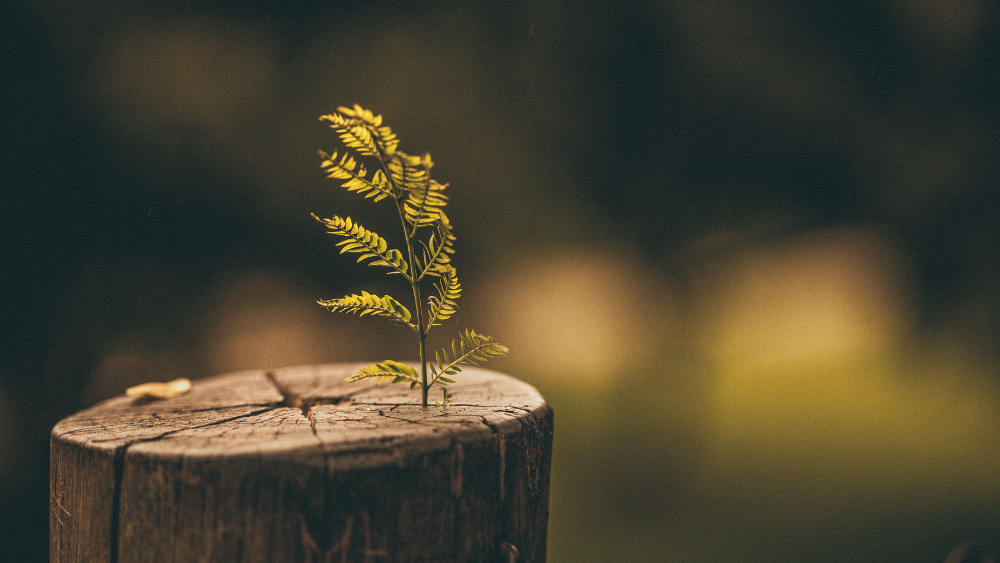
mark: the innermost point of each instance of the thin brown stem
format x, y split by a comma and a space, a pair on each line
421, 329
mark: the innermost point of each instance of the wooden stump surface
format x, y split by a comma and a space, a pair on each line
296, 465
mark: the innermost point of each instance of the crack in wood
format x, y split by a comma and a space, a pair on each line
326, 526
294, 400
410, 420
489, 424
182, 410
322, 540
288, 398
176, 430
118, 467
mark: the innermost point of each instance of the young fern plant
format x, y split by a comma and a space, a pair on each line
425, 263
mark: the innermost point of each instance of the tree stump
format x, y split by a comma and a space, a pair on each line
296, 465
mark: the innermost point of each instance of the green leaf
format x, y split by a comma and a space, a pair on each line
389, 370
355, 176
368, 304
470, 349
438, 249
363, 131
444, 304
424, 197
367, 243
409, 172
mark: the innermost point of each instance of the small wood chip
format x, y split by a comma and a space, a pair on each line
159, 390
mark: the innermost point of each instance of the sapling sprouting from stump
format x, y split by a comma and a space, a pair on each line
425, 264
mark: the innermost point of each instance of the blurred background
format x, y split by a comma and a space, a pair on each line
748, 250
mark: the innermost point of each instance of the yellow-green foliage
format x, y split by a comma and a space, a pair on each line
406, 181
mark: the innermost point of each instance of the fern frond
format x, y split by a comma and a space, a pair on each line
407, 172
437, 250
382, 134
389, 370
371, 246
424, 197
425, 204
368, 304
445, 303
470, 349
355, 133
355, 176
363, 131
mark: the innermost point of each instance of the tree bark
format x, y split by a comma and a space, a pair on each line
295, 465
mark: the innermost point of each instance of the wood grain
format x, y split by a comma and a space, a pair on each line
295, 465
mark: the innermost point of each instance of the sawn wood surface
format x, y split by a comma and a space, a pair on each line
296, 465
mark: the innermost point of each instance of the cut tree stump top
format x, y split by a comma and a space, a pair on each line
296, 464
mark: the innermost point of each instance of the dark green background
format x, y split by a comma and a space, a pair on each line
159, 168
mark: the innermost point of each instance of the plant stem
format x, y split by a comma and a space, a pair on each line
423, 369
417, 302
421, 334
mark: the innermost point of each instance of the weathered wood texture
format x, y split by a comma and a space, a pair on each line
295, 465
